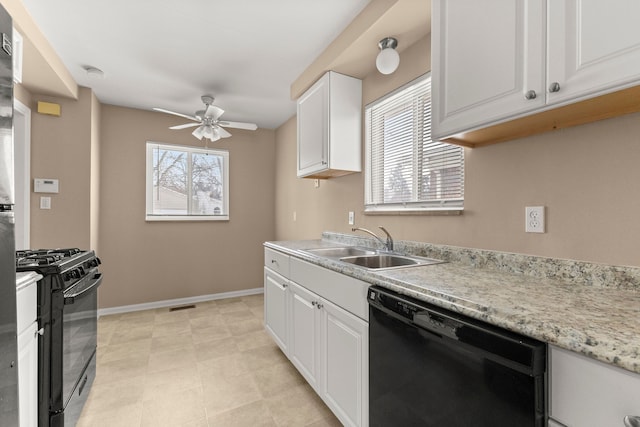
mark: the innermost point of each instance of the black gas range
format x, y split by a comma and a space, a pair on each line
67, 322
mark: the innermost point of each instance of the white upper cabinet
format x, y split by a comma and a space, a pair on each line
488, 62
329, 127
593, 47
501, 66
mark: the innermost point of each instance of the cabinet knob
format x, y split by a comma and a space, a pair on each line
530, 94
320, 306
324, 162
632, 421
313, 303
273, 261
284, 285
554, 87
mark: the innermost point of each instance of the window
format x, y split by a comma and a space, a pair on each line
405, 170
186, 183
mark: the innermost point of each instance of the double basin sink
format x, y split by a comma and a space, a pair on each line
372, 259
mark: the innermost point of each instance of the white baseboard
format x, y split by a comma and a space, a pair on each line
177, 302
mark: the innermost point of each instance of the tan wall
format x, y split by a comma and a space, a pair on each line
586, 176
61, 149
22, 94
154, 261
94, 201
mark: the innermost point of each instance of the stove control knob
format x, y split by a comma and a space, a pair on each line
73, 274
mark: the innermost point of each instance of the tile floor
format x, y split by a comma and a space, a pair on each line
213, 365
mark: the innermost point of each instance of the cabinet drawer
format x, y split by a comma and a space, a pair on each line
342, 290
26, 305
588, 393
276, 261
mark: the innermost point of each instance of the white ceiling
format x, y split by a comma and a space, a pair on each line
162, 53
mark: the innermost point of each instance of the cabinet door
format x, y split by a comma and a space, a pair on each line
345, 367
305, 334
275, 308
588, 393
313, 128
28, 376
593, 47
486, 57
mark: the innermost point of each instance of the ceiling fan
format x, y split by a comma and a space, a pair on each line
208, 121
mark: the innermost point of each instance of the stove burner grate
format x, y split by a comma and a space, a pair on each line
43, 256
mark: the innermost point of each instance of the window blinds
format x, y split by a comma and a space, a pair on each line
406, 170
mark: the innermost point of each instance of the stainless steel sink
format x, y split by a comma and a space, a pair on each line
388, 261
340, 252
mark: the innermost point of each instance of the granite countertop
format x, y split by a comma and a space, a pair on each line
579, 312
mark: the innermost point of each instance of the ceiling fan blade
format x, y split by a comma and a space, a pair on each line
239, 125
162, 110
213, 111
184, 126
222, 132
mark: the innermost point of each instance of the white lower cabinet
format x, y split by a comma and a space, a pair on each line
27, 328
330, 347
276, 301
344, 364
304, 319
328, 344
588, 393
28, 374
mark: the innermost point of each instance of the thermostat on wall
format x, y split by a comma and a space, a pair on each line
44, 185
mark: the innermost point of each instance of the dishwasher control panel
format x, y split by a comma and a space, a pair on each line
430, 320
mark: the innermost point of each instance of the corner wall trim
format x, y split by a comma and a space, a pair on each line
178, 301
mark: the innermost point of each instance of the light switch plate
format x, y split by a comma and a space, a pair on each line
45, 202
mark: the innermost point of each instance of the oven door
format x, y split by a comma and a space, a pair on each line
79, 335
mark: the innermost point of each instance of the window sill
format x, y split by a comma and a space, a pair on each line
154, 218
415, 212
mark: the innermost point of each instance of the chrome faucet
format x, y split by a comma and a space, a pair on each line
388, 245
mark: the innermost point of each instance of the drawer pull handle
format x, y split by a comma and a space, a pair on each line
632, 421
40, 332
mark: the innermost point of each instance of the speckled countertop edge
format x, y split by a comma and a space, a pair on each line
577, 314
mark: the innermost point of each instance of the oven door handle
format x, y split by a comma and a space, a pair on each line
71, 298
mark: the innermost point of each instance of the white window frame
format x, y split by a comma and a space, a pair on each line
451, 206
150, 216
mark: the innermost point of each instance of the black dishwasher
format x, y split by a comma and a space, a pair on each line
435, 368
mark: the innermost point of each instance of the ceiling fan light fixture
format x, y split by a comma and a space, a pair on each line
207, 121
388, 59
199, 132
208, 133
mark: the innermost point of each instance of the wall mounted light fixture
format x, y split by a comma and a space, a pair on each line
388, 59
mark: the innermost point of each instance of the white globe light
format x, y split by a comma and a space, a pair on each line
388, 59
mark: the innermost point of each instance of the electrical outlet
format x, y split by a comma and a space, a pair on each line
534, 219
316, 183
352, 218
